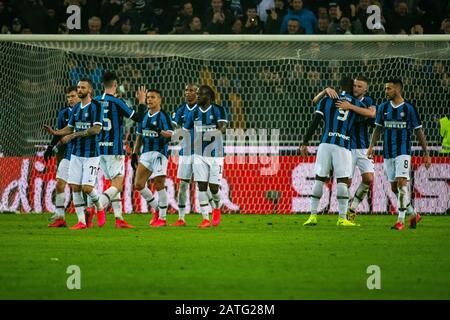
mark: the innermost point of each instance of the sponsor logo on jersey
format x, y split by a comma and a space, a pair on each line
82, 125
339, 135
395, 124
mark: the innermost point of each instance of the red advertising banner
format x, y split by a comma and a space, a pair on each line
263, 185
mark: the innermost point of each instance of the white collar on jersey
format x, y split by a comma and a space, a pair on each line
200, 108
190, 109
81, 105
152, 115
395, 107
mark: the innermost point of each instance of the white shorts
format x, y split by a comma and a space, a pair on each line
398, 167
331, 156
155, 162
185, 167
83, 171
112, 165
360, 160
208, 169
63, 170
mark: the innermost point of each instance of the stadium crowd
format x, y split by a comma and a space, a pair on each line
225, 16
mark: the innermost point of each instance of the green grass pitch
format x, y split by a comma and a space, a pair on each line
246, 257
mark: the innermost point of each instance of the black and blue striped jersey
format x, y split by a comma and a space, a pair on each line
83, 118
202, 122
360, 130
398, 123
151, 140
179, 118
63, 119
338, 122
111, 136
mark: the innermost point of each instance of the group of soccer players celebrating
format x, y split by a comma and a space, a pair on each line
345, 145
91, 130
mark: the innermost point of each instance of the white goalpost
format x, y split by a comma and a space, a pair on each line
266, 82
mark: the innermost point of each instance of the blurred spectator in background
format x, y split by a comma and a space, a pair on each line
217, 19
51, 22
195, 26
94, 25
16, 26
322, 27
263, 9
345, 26
62, 29
5, 13
275, 18
401, 19
253, 25
186, 13
293, 27
33, 13
237, 26
445, 26
416, 29
308, 20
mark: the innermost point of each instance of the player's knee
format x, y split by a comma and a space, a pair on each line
160, 183
401, 183
118, 183
202, 186
87, 189
60, 185
214, 188
367, 179
139, 185
347, 181
75, 188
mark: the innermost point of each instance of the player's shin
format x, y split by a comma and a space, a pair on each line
78, 202
116, 204
148, 196
182, 198
203, 197
59, 203
107, 196
215, 200
95, 199
162, 203
360, 194
342, 198
317, 192
402, 201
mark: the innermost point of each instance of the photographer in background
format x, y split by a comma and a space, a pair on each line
253, 24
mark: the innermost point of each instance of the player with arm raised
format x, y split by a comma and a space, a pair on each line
112, 154
84, 125
396, 119
62, 173
360, 140
333, 152
209, 122
153, 135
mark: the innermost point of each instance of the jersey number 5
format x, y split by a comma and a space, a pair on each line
106, 121
343, 115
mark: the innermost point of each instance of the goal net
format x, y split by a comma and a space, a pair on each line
266, 83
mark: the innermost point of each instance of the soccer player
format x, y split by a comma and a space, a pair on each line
359, 139
185, 168
84, 125
334, 150
112, 154
396, 118
62, 173
153, 134
209, 122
